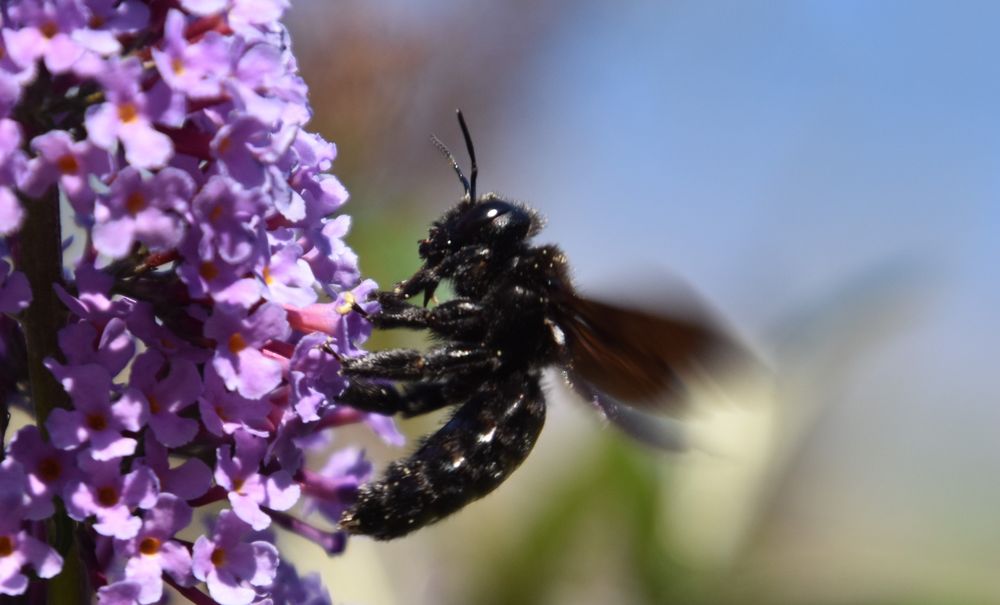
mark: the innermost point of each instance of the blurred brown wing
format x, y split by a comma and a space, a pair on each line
640, 358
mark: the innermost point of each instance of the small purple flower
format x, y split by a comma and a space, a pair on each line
68, 162
111, 497
248, 489
46, 32
153, 551
113, 347
224, 412
166, 389
330, 258
314, 374
129, 115
231, 567
124, 592
239, 339
149, 211
334, 489
15, 292
288, 279
48, 470
196, 69
95, 420
19, 549
291, 589
12, 162
189, 480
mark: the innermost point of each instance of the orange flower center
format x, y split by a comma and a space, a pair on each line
97, 422
49, 29
208, 271
127, 112
6, 546
135, 203
67, 164
218, 557
49, 469
107, 496
149, 546
237, 343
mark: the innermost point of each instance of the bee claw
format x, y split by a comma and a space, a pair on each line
360, 310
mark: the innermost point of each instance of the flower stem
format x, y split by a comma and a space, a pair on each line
38, 254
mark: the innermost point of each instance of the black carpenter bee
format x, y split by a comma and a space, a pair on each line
514, 314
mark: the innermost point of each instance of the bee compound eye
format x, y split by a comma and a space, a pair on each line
493, 220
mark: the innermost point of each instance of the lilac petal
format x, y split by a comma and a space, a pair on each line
11, 212
15, 293
248, 509
114, 237
43, 558
266, 563
204, 7
145, 147
227, 590
141, 487
62, 53
147, 573
282, 491
126, 592
176, 561
66, 428
12, 582
110, 444
172, 430
102, 126
130, 412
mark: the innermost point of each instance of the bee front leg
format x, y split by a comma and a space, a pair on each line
414, 400
459, 318
409, 364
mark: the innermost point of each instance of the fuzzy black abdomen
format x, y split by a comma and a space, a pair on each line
489, 437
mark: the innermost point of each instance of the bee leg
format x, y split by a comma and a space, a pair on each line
409, 364
414, 400
456, 318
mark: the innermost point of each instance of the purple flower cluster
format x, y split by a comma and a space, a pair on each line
198, 356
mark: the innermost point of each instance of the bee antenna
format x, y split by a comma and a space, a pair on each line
472, 154
458, 170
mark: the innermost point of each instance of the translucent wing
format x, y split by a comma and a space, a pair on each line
637, 358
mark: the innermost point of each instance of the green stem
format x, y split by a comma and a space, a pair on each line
40, 258
39, 255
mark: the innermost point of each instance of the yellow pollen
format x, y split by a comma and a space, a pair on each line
177, 66
67, 164
268, 278
237, 343
347, 305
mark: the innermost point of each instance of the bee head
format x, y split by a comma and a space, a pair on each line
484, 221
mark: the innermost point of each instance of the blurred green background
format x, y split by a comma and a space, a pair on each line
825, 173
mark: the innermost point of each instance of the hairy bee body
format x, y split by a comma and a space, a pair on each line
514, 313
